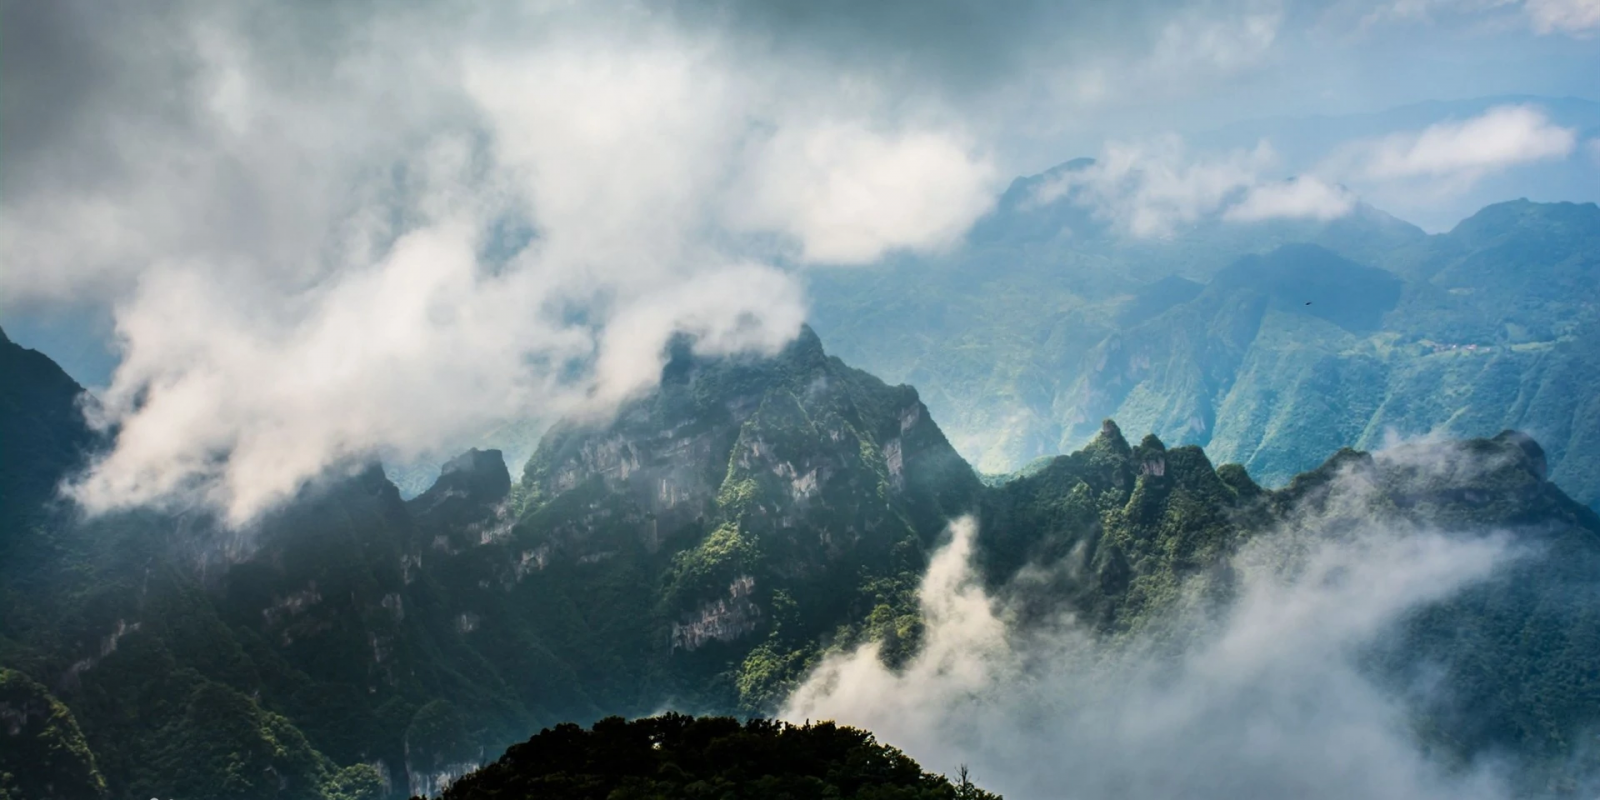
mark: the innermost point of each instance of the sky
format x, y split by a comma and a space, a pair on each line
281, 237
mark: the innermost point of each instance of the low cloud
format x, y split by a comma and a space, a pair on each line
1261, 699
1461, 151
1305, 197
1151, 188
877, 193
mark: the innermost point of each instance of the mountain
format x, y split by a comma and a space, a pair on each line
765, 503
1269, 350
696, 550
1123, 535
701, 550
44, 432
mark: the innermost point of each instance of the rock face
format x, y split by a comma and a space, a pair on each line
467, 504
725, 620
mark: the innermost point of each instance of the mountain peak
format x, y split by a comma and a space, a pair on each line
806, 344
475, 461
468, 486
1537, 463
1110, 438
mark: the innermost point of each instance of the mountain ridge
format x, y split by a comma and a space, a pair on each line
1491, 329
703, 550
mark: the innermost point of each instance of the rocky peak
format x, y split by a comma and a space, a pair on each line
1536, 462
1111, 439
469, 488
481, 474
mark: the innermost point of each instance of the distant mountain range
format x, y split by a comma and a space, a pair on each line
1270, 343
702, 551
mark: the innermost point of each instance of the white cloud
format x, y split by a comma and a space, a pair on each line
1572, 17
848, 194
1304, 197
1199, 37
1263, 699
1156, 186
1564, 16
311, 269
1151, 188
1461, 151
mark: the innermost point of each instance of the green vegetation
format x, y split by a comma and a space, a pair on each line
675, 756
45, 754
702, 550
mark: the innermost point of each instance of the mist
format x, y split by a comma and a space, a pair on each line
1263, 695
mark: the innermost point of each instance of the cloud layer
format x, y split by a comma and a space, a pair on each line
1264, 698
386, 239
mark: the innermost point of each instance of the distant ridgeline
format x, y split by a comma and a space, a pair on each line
700, 551
1271, 344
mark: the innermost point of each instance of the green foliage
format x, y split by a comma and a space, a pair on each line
705, 548
355, 782
438, 737
675, 756
700, 571
44, 755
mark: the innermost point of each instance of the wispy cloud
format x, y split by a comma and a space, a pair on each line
1152, 187
1304, 197
1149, 188
1460, 151
1262, 699
1580, 17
